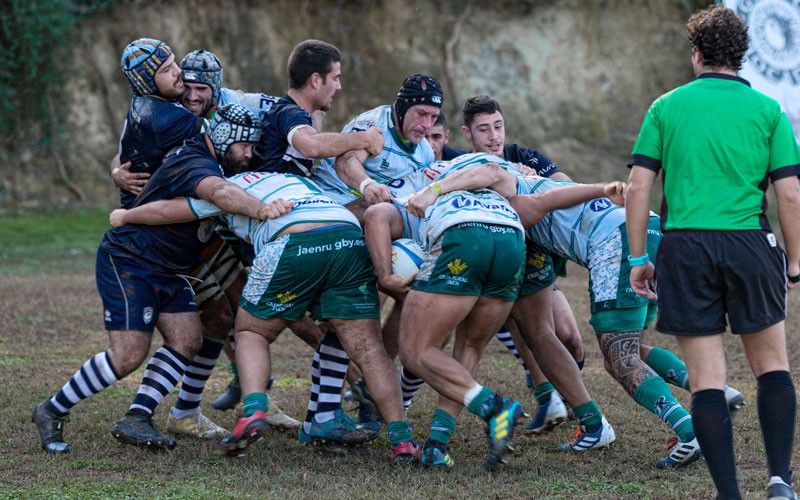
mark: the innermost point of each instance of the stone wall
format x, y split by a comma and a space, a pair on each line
574, 77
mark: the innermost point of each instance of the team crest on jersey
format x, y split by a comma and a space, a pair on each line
147, 315
205, 230
536, 259
456, 267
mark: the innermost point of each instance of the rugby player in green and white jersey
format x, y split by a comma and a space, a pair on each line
357, 180
593, 235
310, 255
472, 171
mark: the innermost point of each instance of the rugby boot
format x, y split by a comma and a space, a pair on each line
138, 430
248, 430
406, 452
233, 395
779, 490
434, 454
51, 428
341, 430
582, 440
196, 425
734, 398
361, 394
549, 415
680, 454
275, 417
501, 422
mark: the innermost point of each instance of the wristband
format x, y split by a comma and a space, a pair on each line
436, 187
793, 279
366, 182
638, 261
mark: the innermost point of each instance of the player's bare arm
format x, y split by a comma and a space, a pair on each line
787, 193
488, 175
123, 178
313, 144
382, 225
350, 169
637, 215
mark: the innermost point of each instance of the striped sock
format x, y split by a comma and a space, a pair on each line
410, 384
504, 336
313, 400
195, 378
162, 374
94, 376
326, 389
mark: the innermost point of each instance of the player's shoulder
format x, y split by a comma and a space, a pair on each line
376, 117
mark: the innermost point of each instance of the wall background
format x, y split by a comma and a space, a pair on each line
574, 77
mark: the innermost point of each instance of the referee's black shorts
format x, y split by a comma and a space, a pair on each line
702, 276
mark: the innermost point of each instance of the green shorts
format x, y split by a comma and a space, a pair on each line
615, 306
474, 258
325, 270
540, 271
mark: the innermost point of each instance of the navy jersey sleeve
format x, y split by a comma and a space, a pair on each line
532, 158
289, 117
173, 125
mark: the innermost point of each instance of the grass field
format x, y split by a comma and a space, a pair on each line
50, 323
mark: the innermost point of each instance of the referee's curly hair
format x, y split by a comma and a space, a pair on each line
720, 34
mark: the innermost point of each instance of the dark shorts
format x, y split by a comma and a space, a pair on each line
702, 276
327, 271
134, 296
477, 259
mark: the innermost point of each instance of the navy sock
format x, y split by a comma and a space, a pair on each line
712, 426
777, 403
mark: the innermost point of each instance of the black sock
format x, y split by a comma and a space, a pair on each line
776, 411
712, 426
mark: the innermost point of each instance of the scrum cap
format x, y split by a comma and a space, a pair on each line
202, 66
140, 61
417, 89
233, 123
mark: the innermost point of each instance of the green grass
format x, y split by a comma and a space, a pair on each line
52, 240
51, 322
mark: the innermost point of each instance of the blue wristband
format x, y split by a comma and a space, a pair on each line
638, 261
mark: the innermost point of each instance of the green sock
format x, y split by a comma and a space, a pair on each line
483, 404
443, 426
399, 431
542, 392
589, 415
669, 366
254, 402
654, 395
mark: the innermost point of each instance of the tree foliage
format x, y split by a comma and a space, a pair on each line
37, 38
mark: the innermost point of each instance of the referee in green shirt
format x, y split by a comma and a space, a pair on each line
719, 143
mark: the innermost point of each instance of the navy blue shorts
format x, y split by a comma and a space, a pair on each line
704, 276
134, 296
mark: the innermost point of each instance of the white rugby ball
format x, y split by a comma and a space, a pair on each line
407, 256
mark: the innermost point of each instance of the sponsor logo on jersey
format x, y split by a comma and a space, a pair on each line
286, 297
600, 204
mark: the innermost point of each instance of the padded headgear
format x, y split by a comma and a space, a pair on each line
233, 123
140, 61
202, 66
417, 89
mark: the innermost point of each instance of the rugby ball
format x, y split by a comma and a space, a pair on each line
407, 256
